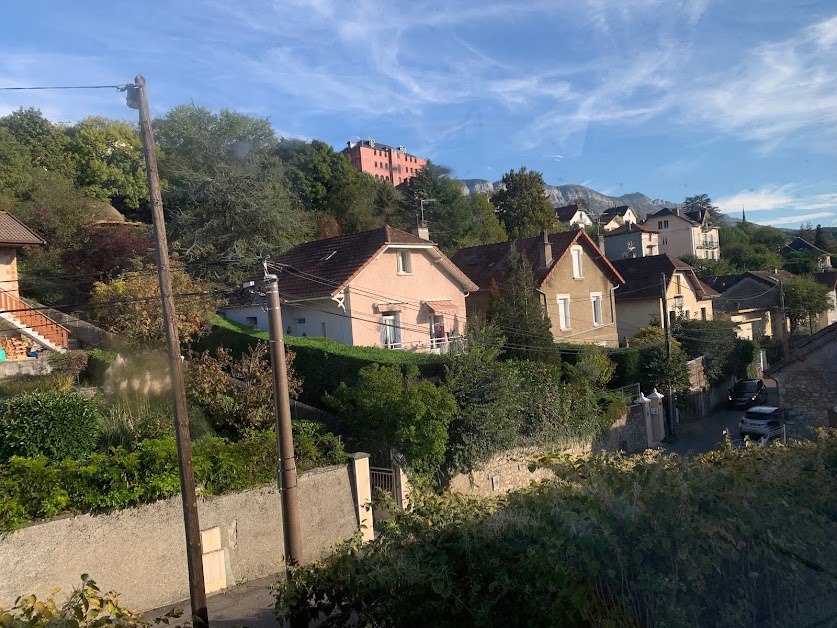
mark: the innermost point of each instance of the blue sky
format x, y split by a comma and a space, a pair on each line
666, 97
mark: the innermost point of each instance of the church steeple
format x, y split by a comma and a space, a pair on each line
743, 215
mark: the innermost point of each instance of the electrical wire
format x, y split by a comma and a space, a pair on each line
121, 87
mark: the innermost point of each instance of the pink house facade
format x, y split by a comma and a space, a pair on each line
389, 163
380, 288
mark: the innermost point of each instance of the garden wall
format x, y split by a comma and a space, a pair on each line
141, 552
517, 468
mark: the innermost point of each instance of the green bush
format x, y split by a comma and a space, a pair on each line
54, 424
122, 477
14, 386
70, 362
647, 540
98, 362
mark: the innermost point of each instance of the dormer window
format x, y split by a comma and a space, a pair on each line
405, 266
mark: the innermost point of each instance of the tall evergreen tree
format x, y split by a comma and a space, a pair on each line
819, 237
703, 202
516, 309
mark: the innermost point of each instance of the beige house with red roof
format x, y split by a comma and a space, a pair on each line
24, 326
379, 288
575, 280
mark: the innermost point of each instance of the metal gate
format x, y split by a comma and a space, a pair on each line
383, 479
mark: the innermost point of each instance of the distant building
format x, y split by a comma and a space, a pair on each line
392, 164
614, 217
639, 301
685, 233
750, 300
631, 240
573, 216
798, 245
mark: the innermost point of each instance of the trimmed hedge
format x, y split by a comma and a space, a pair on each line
322, 363
54, 424
37, 488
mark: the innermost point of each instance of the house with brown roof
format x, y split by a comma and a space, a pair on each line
574, 279
614, 217
685, 232
750, 301
573, 216
25, 326
640, 300
631, 240
379, 288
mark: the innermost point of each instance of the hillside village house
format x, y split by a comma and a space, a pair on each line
750, 300
379, 288
24, 327
574, 279
573, 216
798, 245
631, 240
685, 233
639, 301
614, 217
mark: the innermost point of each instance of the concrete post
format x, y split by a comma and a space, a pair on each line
655, 409
402, 486
362, 487
645, 403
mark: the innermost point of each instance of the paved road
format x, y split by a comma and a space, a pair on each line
706, 434
249, 604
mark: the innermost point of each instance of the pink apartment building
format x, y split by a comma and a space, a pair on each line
395, 165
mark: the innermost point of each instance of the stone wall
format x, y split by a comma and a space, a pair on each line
141, 552
517, 468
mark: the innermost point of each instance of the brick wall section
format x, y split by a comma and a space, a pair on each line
517, 468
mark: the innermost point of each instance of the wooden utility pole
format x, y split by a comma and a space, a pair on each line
286, 473
667, 330
784, 320
138, 99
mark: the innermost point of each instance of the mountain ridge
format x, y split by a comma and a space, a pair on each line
560, 195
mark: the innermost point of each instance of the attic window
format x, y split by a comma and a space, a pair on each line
327, 256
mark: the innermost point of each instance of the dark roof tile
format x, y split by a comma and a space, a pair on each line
15, 233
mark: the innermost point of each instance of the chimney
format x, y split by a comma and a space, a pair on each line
421, 231
546, 250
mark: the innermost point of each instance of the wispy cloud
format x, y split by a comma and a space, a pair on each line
795, 220
787, 198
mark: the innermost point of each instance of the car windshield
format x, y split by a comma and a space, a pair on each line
760, 416
746, 387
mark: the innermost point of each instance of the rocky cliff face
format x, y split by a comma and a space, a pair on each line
565, 194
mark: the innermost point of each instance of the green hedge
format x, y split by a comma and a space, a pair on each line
35, 488
322, 363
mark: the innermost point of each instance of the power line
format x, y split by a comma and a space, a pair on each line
121, 87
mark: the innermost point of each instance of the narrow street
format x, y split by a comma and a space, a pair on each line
706, 434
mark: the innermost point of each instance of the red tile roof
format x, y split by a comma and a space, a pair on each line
15, 233
323, 267
487, 262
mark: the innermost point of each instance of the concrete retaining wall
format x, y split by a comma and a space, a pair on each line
141, 552
16, 368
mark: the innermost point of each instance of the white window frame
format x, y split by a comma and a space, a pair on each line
564, 322
596, 298
391, 330
577, 255
405, 262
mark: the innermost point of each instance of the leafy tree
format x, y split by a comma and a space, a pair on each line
658, 371
15, 165
45, 141
448, 217
717, 340
487, 393
515, 308
226, 192
593, 368
387, 409
109, 161
771, 237
522, 205
805, 300
129, 305
806, 232
751, 256
705, 267
703, 202
487, 229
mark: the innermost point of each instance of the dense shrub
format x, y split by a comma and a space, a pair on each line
612, 541
70, 362
57, 425
129, 418
98, 362
122, 477
14, 386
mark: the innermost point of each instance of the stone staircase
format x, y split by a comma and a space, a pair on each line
32, 323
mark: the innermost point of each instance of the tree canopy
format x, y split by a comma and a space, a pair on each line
805, 300
522, 205
703, 202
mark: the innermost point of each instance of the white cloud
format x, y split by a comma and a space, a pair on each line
795, 220
786, 198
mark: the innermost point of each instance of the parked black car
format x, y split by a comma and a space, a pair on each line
746, 393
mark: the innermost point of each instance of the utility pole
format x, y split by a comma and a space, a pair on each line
667, 331
138, 99
784, 320
286, 473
